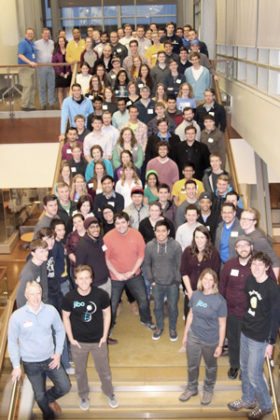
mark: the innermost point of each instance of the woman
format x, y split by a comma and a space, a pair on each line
95, 88
96, 152
151, 187
147, 225
94, 185
84, 206
135, 69
107, 218
185, 97
65, 175
112, 75
127, 141
121, 83
160, 94
84, 78
109, 103
74, 237
62, 73
144, 78
127, 182
79, 188
125, 158
89, 56
132, 94
204, 335
199, 255
102, 75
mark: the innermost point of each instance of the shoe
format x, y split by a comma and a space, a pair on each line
206, 398
84, 404
232, 373
149, 325
173, 336
55, 408
258, 413
239, 405
70, 371
157, 334
113, 402
111, 341
186, 395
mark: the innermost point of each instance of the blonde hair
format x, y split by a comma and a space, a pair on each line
180, 93
215, 278
73, 189
135, 176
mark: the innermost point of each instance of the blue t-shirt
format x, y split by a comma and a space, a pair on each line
26, 48
207, 309
224, 243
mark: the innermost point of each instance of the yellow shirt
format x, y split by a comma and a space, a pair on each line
74, 50
151, 54
179, 191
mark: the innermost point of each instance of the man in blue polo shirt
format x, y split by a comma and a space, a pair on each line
27, 55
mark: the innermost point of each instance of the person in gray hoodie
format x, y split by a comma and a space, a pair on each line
162, 267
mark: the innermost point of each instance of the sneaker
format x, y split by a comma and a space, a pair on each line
232, 373
239, 405
84, 404
186, 395
113, 402
157, 334
70, 371
258, 413
206, 398
149, 325
173, 336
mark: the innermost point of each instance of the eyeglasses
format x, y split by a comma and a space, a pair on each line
246, 218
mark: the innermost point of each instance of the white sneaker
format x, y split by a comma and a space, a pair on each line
113, 402
84, 404
70, 371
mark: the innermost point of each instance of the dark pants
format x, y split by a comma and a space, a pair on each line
37, 373
136, 287
171, 292
233, 336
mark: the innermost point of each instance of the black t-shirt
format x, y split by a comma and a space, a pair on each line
262, 298
86, 314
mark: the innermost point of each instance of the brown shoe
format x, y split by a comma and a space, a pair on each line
186, 395
55, 408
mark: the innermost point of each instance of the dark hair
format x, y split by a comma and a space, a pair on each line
49, 197
107, 177
226, 204
190, 127
70, 129
207, 252
162, 223
261, 256
76, 85
78, 215
192, 207
45, 232
163, 144
83, 199
187, 108
133, 41
161, 120
121, 215
164, 186
189, 165
149, 80
117, 82
56, 222
96, 146
233, 193
190, 181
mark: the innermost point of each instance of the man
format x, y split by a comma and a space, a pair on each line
170, 55
184, 62
145, 105
124, 257
31, 334
204, 60
167, 206
143, 42
198, 77
232, 286
34, 269
50, 213
163, 135
220, 194
207, 217
165, 167
132, 53
87, 317
118, 49
162, 268
179, 191
191, 150
72, 106
66, 207
120, 117
71, 140
248, 222
184, 233
27, 76
108, 196
139, 128
188, 120
160, 71
227, 232
46, 76
212, 174
175, 79
191, 198
185, 39
211, 107
258, 334
127, 35
111, 132
193, 36
80, 124
78, 164
172, 110
75, 47
97, 137
160, 111
137, 210
233, 197
176, 42
152, 51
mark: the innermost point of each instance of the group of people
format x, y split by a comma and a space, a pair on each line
144, 204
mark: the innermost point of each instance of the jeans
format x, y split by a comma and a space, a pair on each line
137, 288
172, 294
233, 336
37, 373
101, 362
195, 350
46, 79
254, 387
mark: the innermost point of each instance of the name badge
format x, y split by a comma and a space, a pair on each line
140, 85
105, 107
208, 227
104, 248
150, 111
119, 50
90, 97
111, 203
117, 92
178, 81
234, 234
210, 140
128, 103
73, 169
170, 88
211, 113
234, 272
27, 324
69, 152
113, 76
90, 185
33, 56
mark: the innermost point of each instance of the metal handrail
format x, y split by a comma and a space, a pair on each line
13, 401
274, 395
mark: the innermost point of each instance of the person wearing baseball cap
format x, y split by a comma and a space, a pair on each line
207, 217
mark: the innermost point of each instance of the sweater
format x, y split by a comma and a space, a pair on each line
30, 272
199, 85
71, 108
147, 230
167, 172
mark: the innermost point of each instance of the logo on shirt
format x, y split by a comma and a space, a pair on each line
90, 309
255, 297
202, 304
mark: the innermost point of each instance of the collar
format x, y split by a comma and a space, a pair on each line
166, 138
29, 309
